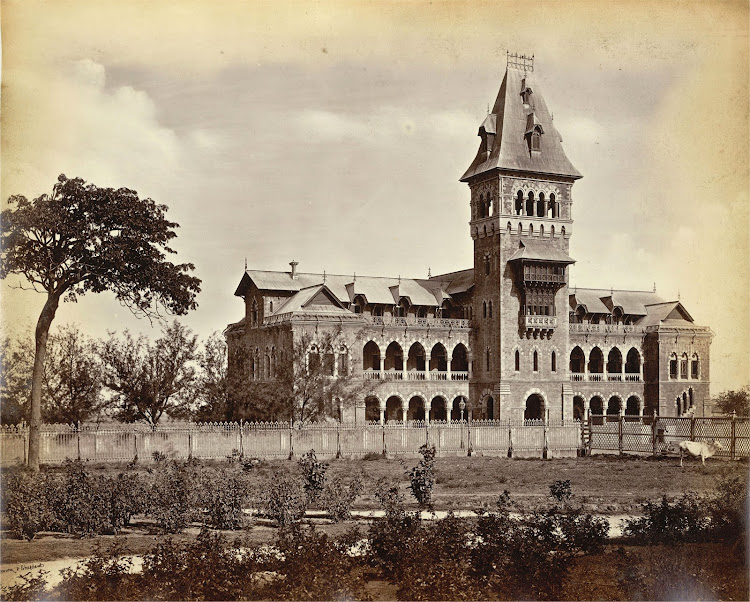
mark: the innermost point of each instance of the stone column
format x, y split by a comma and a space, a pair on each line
640, 408
427, 408
426, 367
586, 409
403, 414
382, 366
621, 411
382, 414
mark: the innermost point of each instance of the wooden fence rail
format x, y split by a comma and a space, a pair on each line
661, 435
283, 440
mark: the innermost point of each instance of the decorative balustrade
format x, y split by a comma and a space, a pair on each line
459, 375
542, 322
393, 375
614, 377
413, 321
372, 374
605, 328
413, 375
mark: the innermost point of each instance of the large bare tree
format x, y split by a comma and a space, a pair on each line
84, 239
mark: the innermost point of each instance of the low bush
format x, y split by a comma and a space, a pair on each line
174, 498
225, 494
104, 576
684, 520
423, 477
84, 506
128, 496
28, 502
337, 498
29, 588
284, 499
314, 473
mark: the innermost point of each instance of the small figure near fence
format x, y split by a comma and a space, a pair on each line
699, 449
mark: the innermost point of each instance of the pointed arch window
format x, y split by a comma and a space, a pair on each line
536, 361
254, 313
487, 359
518, 360
554, 362
694, 367
484, 309
489, 308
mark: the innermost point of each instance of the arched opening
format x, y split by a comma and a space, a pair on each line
372, 409
531, 229
679, 406
684, 403
530, 205
690, 396
487, 359
536, 361
438, 409
540, 206
481, 206
377, 311
393, 407
695, 367
359, 304
596, 409
416, 360
633, 362
552, 231
541, 230
553, 362
534, 407
613, 405
394, 358
508, 228
403, 308
519, 203
416, 408
489, 309
459, 362
614, 364
684, 366
313, 360
456, 408
329, 363
632, 406
578, 408
520, 229
554, 207
484, 309
562, 231
518, 360
371, 357
596, 364
577, 361
343, 361
254, 313
438, 358
490, 408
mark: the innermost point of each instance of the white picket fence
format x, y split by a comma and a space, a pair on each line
282, 440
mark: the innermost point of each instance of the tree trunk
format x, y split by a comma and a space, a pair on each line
41, 335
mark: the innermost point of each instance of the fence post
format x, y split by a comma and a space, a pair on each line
510, 439
692, 427
135, 445
470, 449
382, 430
733, 440
338, 440
545, 450
590, 443
620, 419
25, 445
653, 433
242, 439
291, 441
190, 444
78, 439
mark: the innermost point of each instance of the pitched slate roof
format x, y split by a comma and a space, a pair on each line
454, 283
670, 313
305, 300
534, 249
511, 119
377, 290
603, 301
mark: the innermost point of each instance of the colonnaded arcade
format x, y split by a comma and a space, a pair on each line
506, 339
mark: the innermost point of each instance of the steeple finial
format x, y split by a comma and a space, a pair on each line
355, 277
324, 276
520, 61
429, 273
399, 279
654, 286
246, 264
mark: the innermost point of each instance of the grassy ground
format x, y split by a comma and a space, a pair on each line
603, 484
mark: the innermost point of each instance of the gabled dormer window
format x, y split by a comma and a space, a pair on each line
536, 140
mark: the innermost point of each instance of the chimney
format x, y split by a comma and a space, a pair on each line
294, 265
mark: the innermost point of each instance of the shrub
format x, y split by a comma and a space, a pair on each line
561, 491
128, 496
665, 522
423, 476
285, 499
174, 497
314, 473
30, 588
84, 504
727, 511
104, 576
305, 552
29, 500
225, 495
370, 456
337, 499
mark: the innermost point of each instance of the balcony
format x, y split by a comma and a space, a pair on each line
459, 376
605, 328
415, 375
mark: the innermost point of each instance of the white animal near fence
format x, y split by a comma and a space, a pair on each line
699, 449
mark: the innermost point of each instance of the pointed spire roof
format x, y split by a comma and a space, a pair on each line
519, 109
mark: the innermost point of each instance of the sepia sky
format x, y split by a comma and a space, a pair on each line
334, 133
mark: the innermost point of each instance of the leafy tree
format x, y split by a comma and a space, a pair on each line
15, 380
72, 377
151, 379
733, 401
81, 239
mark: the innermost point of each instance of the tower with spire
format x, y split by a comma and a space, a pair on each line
521, 222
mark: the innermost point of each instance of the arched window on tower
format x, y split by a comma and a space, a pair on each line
684, 366
490, 210
530, 204
694, 367
673, 366
254, 314
489, 309
540, 206
553, 365
487, 359
553, 206
518, 360
481, 206
536, 361
519, 203
536, 140
486, 265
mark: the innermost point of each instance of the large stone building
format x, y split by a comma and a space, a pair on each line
506, 339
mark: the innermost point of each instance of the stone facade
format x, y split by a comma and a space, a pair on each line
506, 339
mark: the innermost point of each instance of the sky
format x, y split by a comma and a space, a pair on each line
334, 134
